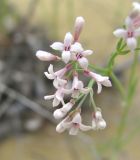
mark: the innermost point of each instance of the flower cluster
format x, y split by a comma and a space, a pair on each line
131, 30
75, 59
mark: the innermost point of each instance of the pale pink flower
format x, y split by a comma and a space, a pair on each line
53, 75
64, 47
60, 113
98, 122
57, 97
73, 125
46, 56
79, 23
136, 6
78, 87
76, 124
72, 51
129, 34
100, 80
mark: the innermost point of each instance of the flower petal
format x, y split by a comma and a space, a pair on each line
131, 43
45, 56
60, 128
48, 97
83, 62
99, 88
68, 40
137, 32
67, 107
49, 76
77, 118
57, 46
76, 47
121, 33
107, 83
87, 52
128, 23
79, 23
85, 128
66, 55
56, 102
59, 95
73, 131
136, 6
58, 114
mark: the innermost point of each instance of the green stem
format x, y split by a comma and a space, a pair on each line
127, 106
118, 84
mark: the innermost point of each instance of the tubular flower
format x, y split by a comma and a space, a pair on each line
60, 113
98, 122
100, 80
46, 56
78, 87
129, 34
73, 126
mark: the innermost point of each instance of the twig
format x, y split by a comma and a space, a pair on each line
27, 102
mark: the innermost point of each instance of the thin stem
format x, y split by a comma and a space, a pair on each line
127, 106
118, 84
92, 101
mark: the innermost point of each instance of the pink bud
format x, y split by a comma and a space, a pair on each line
46, 56
79, 23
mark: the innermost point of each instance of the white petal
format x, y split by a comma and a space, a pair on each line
83, 62
48, 97
68, 40
85, 128
80, 85
57, 46
60, 128
121, 33
67, 91
45, 56
67, 107
98, 77
73, 131
56, 102
99, 88
131, 43
136, 6
137, 32
98, 115
59, 95
49, 76
66, 55
128, 23
58, 114
50, 69
87, 53
77, 118
76, 47
107, 83
101, 124
61, 72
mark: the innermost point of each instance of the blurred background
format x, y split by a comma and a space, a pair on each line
27, 128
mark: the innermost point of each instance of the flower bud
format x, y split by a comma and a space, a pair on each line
98, 115
79, 23
101, 124
58, 114
60, 128
45, 56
